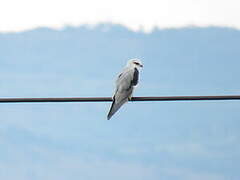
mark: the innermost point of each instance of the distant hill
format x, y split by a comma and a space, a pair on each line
192, 58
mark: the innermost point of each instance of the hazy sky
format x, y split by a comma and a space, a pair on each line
18, 15
143, 141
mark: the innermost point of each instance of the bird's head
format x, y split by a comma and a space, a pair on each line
135, 63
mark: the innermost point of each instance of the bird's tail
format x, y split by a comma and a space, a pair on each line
114, 108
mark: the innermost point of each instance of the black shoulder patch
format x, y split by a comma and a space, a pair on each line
119, 75
135, 77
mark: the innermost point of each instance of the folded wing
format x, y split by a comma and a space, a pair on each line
124, 89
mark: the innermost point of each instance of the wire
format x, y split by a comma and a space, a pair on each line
109, 99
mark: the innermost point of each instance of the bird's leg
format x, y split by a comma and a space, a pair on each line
130, 97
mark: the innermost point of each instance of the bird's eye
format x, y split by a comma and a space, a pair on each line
136, 63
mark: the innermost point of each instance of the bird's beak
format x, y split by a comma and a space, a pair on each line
141, 65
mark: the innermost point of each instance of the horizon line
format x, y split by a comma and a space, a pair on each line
140, 29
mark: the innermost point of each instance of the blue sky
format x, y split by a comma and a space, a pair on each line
144, 140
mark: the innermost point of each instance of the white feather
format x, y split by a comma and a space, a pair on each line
124, 87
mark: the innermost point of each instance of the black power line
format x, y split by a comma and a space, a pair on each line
109, 99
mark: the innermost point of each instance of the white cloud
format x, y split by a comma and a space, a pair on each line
26, 14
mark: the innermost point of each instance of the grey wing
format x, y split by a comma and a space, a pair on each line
124, 89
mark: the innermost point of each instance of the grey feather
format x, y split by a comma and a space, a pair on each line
124, 89
125, 83
120, 101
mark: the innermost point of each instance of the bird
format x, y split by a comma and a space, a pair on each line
125, 83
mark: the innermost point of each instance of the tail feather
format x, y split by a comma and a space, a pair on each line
114, 107
110, 114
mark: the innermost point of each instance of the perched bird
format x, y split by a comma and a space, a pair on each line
125, 83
